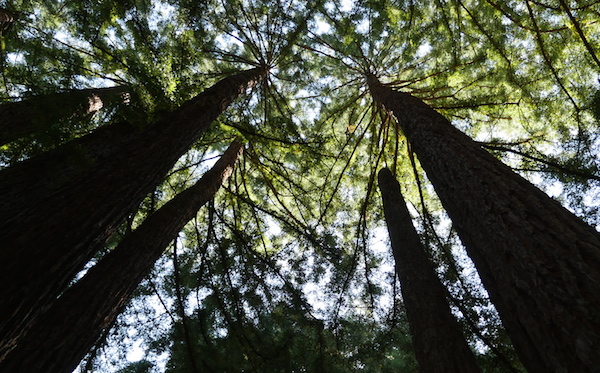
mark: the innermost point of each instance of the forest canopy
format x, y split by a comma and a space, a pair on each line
286, 266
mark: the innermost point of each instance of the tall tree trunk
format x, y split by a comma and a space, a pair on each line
539, 262
62, 336
39, 114
58, 209
437, 338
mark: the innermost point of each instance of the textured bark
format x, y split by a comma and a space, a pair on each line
58, 209
39, 114
437, 338
62, 336
539, 262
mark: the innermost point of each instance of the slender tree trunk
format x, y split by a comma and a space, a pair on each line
39, 114
58, 209
437, 338
539, 262
62, 336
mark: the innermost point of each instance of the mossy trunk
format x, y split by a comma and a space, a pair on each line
539, 262
58, 209
437, 338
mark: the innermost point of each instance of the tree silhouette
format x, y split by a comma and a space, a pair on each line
286, 269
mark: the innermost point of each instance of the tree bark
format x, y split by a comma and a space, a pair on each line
437, 338
62, 336
539, 262
39, 114
58, 209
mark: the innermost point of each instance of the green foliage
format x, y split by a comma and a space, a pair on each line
142, 366
595, 105
283, 272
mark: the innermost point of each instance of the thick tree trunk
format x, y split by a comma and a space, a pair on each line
62, 336
437, 338
539, 262
40, 114
58, 209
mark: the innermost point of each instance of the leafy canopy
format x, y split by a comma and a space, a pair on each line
288, 268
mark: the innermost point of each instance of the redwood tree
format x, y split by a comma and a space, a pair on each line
437, 339
62, 336
58, 209
539, 262
41, 113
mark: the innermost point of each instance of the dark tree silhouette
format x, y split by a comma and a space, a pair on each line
40, 113
58, 209
437, 339
63, 335
539, 262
